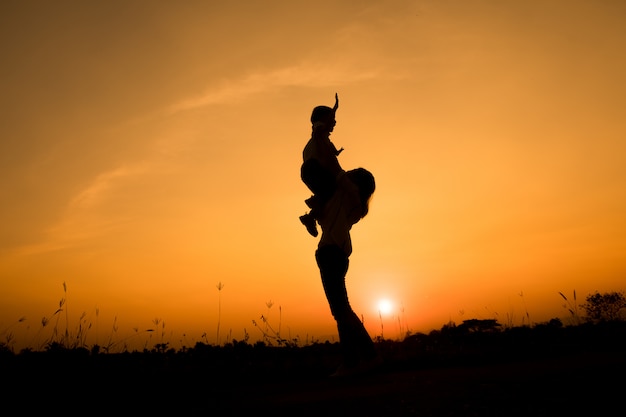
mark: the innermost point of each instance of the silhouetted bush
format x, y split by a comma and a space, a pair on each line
605, 307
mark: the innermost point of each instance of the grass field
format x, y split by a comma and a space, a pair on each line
472, 370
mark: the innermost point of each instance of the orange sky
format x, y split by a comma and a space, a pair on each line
151, 150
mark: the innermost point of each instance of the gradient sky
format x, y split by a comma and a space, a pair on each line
150, 150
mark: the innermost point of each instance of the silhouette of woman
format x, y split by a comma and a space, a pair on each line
348, 205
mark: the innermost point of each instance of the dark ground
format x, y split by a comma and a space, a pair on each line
486, 375
583, 384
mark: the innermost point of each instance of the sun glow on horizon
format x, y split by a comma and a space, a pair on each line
385, 307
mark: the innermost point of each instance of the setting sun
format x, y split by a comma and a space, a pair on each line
385, 307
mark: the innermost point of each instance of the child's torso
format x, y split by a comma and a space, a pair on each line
324, 151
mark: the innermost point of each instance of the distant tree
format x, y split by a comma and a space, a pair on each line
478, 325
605, 307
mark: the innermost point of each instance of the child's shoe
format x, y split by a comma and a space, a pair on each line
309, 221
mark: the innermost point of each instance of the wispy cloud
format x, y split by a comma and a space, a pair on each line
96, 191
83, 218
301, 75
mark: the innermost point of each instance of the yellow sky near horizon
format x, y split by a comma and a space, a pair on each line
151, 150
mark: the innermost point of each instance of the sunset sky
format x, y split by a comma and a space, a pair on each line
150, 150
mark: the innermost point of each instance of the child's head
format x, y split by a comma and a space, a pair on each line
323, 114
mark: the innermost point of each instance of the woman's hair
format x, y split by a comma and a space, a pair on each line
364, 180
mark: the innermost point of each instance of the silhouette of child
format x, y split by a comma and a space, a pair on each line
320, 167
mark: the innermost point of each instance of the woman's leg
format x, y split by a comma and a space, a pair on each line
356, 344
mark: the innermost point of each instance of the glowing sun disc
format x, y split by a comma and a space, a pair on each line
385, 306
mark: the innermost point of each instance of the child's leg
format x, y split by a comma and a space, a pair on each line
320, 181
311, 201
322, 184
